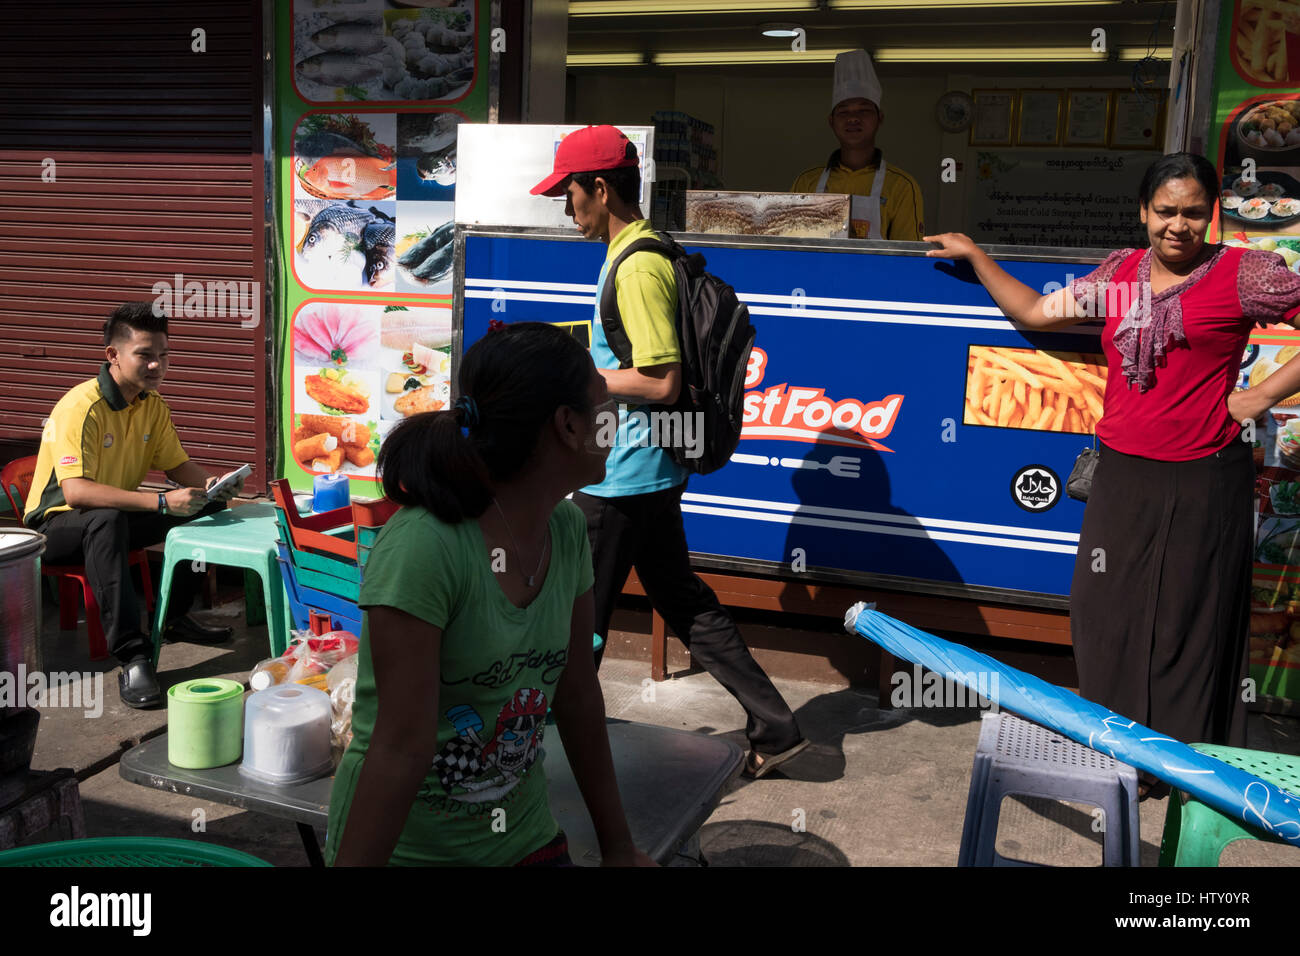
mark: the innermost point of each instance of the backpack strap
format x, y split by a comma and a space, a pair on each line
615, 333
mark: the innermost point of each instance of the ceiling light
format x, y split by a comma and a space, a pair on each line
913, 4
780, 30
640, 8
605, 59
635, 8
1068, 54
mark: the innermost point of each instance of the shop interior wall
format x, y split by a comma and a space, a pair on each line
950, 213
769, 129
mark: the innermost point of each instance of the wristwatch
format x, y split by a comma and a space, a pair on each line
162, 503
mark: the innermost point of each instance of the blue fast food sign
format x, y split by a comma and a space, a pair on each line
897, 426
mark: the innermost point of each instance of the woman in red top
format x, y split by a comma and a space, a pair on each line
1160, 634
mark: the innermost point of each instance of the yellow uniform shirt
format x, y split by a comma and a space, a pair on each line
93, 433
902, 209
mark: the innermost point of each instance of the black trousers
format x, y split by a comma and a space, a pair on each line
101, 539
645, 532
1160, 602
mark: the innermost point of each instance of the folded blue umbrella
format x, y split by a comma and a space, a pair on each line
1228, 789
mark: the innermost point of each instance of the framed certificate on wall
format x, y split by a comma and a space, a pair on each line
994, 113
1039, 123
1087, 117
1137, 120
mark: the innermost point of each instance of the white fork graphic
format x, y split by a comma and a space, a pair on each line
841, 466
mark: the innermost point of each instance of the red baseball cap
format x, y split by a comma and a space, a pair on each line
587, 150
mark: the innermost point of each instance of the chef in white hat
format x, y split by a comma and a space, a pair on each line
887, 201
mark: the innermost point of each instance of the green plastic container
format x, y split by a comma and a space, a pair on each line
205, 723
128, 851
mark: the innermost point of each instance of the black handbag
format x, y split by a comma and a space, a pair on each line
1079, 484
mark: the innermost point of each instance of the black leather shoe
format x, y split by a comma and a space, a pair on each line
138, 684
189, 631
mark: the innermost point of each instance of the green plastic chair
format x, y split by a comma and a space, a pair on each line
1195, 834
127, 851
242, 537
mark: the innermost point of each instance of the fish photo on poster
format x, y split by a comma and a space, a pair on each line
426, 155
345, 156
344, 246
366, 52
425, 247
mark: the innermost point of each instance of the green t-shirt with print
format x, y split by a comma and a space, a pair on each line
499, 668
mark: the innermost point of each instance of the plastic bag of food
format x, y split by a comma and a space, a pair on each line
342, 685
318, 654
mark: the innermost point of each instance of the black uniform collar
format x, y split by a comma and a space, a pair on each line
835, 159
112, 394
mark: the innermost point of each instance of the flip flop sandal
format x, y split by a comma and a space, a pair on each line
760, 765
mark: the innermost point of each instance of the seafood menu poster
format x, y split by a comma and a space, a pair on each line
1255, 140
371, 95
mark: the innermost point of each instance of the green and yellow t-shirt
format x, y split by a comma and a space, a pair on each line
902, 208
93, 433
498, 671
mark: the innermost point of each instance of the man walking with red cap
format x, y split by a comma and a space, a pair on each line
634, 516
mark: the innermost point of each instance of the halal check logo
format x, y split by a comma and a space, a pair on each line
1036, 488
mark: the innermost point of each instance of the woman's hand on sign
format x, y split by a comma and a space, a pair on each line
952, 245
1248, 405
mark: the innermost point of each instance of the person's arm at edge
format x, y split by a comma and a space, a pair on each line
405, 653
1252, 403
580, 717
1020, 303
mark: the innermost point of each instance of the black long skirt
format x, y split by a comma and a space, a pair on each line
1160, 602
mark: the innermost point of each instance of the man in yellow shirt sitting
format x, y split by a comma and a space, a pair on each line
100, 441
887, 202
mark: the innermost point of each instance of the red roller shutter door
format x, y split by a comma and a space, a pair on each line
126, 158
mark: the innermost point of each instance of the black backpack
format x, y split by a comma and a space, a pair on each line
715, 336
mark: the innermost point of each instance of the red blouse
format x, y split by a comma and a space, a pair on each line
1185, 414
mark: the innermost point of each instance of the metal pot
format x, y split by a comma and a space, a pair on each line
20, 604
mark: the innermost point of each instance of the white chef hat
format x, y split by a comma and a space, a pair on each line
854, 77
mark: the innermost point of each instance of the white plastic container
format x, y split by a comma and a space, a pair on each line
287, 734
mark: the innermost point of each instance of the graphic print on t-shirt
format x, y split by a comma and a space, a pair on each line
473, 769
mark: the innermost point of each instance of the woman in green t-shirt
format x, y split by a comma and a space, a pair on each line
478, 617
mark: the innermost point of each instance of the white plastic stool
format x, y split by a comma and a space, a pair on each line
1016, 756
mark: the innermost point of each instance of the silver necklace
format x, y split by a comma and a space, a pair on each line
529, 578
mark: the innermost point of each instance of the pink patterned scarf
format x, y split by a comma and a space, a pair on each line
1154, 323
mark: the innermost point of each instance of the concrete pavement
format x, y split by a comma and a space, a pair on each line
877, 788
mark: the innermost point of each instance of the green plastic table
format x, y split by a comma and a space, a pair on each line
239, 537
